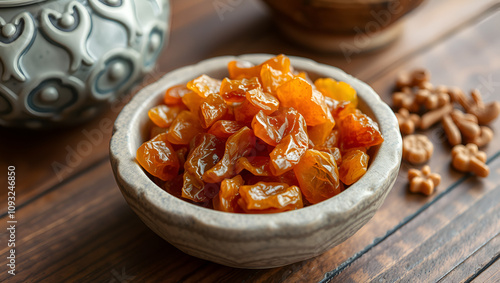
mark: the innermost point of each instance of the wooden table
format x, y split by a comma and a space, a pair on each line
74, 225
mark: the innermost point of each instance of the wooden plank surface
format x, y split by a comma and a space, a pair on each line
77, 227
438, 239
107, 238
479, 261
85, 231
492, 274
247, 28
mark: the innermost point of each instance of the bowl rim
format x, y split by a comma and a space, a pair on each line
134, 182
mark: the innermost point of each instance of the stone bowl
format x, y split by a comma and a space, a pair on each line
252, 241
62, 62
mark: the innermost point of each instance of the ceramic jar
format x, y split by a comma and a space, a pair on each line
63, 61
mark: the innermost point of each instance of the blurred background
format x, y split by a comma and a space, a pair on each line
75, 225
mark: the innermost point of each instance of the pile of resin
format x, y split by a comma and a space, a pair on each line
264, 140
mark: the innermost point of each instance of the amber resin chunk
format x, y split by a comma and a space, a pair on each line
184, 128
240, 70
339, 91
269, 198
235, 90
225, 128
204, 85
273, 78
359, 130
299, 94
163, 115
238, 145
212, 110
258, 141
206, 151
256, 100
257, 165
229, 194
158, 158
290, 136
192, 101
318, 176
173, 96
319, 134
354, 165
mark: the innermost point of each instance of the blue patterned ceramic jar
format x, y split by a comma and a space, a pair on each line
62, 61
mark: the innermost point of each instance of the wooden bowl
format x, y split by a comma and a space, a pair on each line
252, 241
341, 25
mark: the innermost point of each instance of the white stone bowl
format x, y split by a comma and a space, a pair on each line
252, 241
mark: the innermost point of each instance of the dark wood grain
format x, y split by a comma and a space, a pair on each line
492, 274
98, 235
480, 260
247, 28
85, 231
77, 227
438, 239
